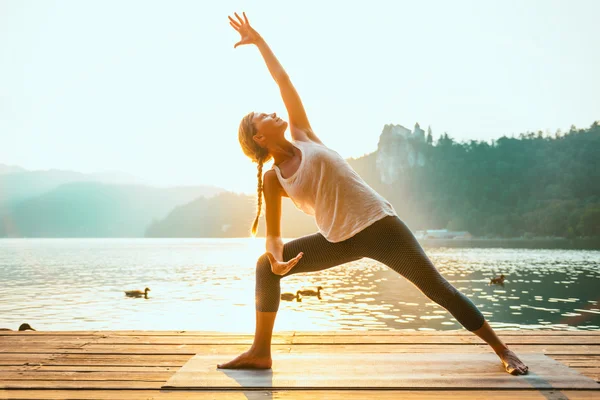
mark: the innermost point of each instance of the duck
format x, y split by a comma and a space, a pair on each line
291, 296
22, 327
498, 280
137, 293
309, 292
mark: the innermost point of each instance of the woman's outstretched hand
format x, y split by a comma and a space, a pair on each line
280, 267
248, 34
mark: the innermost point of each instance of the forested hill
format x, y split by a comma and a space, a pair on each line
533, 185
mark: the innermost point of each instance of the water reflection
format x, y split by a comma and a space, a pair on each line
208, 284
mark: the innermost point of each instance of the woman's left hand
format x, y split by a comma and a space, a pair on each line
249, 35
283, 267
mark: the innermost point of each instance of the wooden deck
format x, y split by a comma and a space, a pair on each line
135, 364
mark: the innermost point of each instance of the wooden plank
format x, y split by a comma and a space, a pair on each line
7, 359
450, 349
189, 340
590, 373
38, 384
137, 333
457, 339
15, 340
16, 345
136, 349
42, 350
49, 333
39, 375
195, 333
578, 361
298, 395
146, 360
167, 349
4, 368
41, 347
461, 332
106, 368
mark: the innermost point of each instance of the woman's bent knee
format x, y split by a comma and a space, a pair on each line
267, 286
263, 269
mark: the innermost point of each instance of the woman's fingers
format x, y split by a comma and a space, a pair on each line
234, 27
233, 22
283, 267
239, 18
246, 18
296, 259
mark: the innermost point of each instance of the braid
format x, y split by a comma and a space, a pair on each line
257, 154
259, 191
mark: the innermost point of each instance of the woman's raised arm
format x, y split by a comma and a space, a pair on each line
299, 125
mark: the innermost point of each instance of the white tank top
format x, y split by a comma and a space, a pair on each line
326, 186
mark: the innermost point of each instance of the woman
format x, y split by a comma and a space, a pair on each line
354, 221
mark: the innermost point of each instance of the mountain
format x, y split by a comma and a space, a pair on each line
89, 209
18, 184
10, 169
227, 215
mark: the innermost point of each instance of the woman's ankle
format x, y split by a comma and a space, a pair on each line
260, 350
500, 348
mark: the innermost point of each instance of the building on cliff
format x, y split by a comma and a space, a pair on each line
398, 149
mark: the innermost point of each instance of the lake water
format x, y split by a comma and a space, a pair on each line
208, 284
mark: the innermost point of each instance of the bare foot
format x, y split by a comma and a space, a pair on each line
248, 360
512, 364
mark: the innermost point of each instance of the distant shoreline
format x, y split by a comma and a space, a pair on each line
517, 243
520, 243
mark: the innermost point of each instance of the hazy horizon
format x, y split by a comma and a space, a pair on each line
156, 90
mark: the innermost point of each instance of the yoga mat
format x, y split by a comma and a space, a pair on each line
373, 371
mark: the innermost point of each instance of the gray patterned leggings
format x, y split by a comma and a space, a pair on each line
388, 241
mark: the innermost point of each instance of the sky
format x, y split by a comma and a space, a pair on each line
156, 89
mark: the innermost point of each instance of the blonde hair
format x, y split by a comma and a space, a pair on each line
257, 154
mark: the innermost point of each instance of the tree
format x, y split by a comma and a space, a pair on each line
429, 136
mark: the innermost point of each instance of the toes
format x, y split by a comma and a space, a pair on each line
226, 365
523, 370
516, 370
